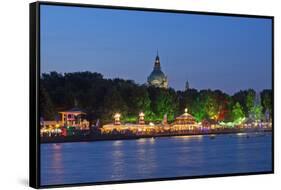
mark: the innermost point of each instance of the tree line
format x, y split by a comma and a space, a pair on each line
100, 98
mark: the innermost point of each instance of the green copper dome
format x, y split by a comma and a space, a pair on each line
157, 78
156, 74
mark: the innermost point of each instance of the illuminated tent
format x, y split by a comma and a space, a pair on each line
185, 119
185, 122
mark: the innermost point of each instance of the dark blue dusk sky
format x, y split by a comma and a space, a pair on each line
211, 52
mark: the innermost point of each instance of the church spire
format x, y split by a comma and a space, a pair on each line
157, 56
157, 61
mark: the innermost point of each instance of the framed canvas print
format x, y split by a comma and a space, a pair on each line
120, 94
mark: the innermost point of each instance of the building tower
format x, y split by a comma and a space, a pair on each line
186, 85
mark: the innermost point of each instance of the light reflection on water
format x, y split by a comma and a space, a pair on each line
117, 164
118, 143
189, 137
154, 158
56, 161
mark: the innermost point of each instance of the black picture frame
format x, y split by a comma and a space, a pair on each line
34, 84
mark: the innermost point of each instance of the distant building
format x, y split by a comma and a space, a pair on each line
74, 118
157, 78
186, 85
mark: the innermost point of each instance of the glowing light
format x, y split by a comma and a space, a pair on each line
141, 118
117, 118
141, 114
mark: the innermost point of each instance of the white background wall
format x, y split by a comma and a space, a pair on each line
14, 60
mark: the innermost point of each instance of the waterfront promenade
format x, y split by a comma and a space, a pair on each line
128, 136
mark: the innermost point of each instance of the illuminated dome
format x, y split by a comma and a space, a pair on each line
157, 78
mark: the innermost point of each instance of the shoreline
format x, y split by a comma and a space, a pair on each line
92, 137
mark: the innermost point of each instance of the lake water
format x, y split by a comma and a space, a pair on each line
83, 162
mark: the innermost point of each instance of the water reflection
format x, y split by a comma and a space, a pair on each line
141, 141
56, 162
117, 143
151, 140
241, 134
146, 161
189, 137
154, 158
117, 162
56, 146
